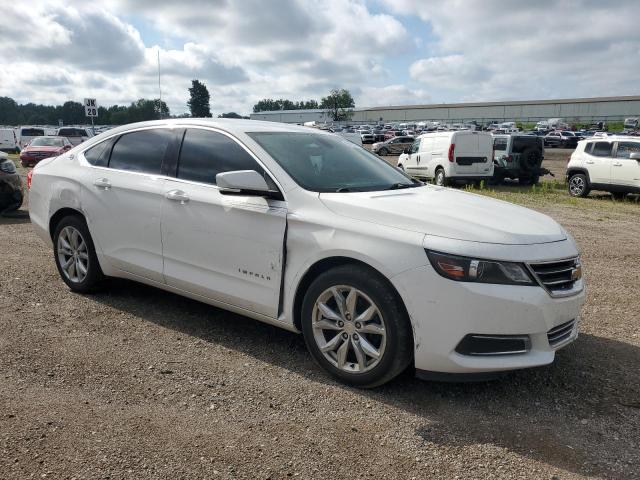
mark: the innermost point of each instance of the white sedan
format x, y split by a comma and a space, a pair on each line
307, 231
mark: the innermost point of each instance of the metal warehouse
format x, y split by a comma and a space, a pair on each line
573, 110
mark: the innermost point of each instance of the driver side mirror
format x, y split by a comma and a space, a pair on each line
406, 150
245, 182
635, 156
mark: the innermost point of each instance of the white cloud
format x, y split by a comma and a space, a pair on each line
547, 49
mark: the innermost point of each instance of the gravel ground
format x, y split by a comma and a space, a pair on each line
138, 383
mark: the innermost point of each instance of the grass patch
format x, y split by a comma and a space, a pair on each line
551, 193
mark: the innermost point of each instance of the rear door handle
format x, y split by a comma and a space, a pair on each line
418, 158
177, 196
617, 164
589, 161
102, 183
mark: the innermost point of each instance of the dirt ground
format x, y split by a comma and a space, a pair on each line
138, 383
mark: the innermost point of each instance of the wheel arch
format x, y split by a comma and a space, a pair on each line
324, 265
60, 214
574, 170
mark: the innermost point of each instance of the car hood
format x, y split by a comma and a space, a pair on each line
44, 148
448, 213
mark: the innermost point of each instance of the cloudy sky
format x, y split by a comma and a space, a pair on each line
384, 51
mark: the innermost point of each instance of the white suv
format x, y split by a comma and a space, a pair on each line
610, 163
304, 230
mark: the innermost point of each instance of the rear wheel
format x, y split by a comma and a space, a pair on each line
75, 255
383, 151
440, 178
355, 326
618, 195
578, 186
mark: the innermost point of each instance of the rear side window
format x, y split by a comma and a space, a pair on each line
204, 154
625, 149
588, 147
602, 149
140, 151
98, 155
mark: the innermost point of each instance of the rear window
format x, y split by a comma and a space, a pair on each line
32, 132
520, 144
500, 144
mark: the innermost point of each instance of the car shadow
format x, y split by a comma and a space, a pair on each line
14, 217
568, 415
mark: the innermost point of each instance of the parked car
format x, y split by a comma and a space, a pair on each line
76, 135
367, 136
43, 147
375, 278
448, 157
393, 146
393, 133
518, 157
611, 164
8, 140
11, 195
26, 134
561, 138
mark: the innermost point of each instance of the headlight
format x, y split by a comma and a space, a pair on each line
465, 269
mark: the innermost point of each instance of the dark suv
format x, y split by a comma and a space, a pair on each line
518, 156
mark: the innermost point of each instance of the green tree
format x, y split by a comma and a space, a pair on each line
199, 99
230, 115
340, 103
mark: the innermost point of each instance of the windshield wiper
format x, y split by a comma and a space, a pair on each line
343, 189
398, 185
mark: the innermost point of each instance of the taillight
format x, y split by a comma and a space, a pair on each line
452, 148
29, 177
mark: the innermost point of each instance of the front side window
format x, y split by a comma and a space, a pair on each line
625, 149
415, 146
204, 154
141, 151
602, 149
328, 163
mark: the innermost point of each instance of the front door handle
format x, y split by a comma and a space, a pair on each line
617, 164
102, 183
177, 196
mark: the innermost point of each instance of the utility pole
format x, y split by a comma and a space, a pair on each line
159, 87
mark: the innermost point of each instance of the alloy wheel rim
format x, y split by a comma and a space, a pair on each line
73, 255
349, 329
576, 185
439, 179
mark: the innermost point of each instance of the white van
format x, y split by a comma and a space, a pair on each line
76, 135
26, 134
8, 140
449, 157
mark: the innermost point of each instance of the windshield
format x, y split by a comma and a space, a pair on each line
31, 132
47, 142
328, 163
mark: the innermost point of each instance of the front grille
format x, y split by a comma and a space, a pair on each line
40, 154
559, 277
560, 333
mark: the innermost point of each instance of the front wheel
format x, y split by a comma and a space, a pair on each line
355, 327
578, 186
383, 151
75, 255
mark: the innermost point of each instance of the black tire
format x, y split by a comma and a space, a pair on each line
618, 195
398, 350
24, 163
578, 185
383, 151
94, 275
401, 167
440, 178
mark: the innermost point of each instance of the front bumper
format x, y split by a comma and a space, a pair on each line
443, 312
